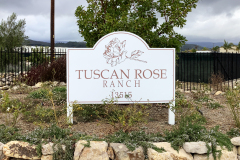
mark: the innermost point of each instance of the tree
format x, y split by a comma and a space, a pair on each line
137, 16
216, 48
12, 32
205, 49
193, 50
238, 47
227, 45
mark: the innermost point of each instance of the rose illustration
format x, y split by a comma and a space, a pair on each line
115, 53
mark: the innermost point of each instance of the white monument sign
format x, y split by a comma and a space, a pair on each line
121, 65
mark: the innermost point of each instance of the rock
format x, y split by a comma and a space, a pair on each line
238, 157
48, 157
55, 83
173, 153
4, 88
120, 151
1, 84
96, 151
4, 79
154, 155
15, 87
187, 92
137, 154
238, 150
218, 93
195, 147
226, 155
180, 90
78, 149
62, 84
47, 149
1, 150
19, 149
194, 91
39, 84
34, 87
110, 153
236, 141
207, 92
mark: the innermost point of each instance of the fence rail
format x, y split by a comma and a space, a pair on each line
193, 70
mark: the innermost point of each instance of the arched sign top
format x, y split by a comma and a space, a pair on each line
125, 35
121, 66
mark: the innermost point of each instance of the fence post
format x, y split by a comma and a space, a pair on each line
21, 62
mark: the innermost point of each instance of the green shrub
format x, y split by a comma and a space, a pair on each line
214, 105
137, 138
193, 132
88, 112
233, 132
8, 133
59, 95
123, 117
38, 94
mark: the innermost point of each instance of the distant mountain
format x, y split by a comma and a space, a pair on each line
207, 44
191, 46
60, 44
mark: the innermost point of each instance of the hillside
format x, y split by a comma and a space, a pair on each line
60, 44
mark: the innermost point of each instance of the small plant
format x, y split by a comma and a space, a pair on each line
216, 81
123, 117
233, 100
39, 94
88, 112
187, 109
200, 96
234, 132
8, 133
214, 105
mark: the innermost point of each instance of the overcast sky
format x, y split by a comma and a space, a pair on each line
211, 21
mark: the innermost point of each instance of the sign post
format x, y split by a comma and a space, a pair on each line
121, 66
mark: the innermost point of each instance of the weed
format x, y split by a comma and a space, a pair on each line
214, 105
123, 117
233, 100
38, 94
216, 81
8, 133
88, 112
234, 132
187, 109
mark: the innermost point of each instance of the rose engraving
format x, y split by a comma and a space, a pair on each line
115, 53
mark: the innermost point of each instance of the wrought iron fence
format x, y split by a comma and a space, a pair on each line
218, 70
20, 61
193, 70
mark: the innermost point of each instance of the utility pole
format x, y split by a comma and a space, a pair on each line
52, 30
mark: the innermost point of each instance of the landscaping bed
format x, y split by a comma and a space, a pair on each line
27, 108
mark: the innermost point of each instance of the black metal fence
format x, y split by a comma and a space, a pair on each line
193, 70
215, 69
20, 61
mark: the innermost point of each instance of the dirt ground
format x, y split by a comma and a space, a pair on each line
157, 123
